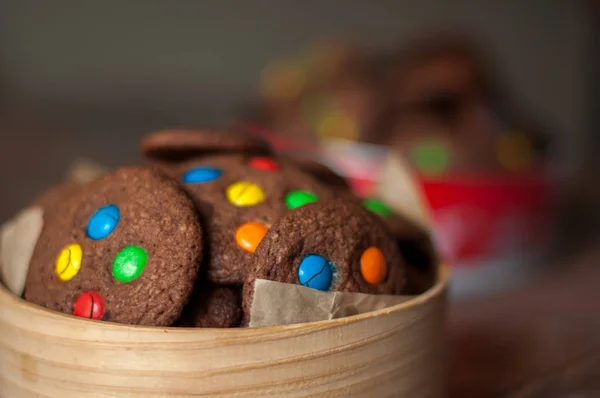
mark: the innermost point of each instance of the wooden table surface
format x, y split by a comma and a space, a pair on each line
541, 337
580, 379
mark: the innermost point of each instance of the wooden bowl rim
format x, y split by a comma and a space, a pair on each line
434, 292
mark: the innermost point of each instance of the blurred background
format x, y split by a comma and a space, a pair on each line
494, 104
90, 78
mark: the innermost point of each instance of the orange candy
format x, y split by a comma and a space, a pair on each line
373, 266
249, 235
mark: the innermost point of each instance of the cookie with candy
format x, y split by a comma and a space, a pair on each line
241, 204
239, 195
126, 248
334, 245
441, 106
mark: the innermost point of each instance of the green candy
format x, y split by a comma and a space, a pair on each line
377, 207
129, 264
296, 199
432, 157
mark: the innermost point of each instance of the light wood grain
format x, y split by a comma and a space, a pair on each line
394, 352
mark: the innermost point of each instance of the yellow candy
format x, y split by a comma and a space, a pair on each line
244, 193
69, 262
514, 151
282, 81
337, 124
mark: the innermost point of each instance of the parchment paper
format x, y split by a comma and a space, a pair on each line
276, 303
18, 238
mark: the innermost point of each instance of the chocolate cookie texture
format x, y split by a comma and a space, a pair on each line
239, 197
213, 306
333, 245
180, 144
126, 248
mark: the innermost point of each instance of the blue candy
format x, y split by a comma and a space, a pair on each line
202, 174
103, 222
315, 272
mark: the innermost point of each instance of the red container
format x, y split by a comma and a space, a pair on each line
478, 216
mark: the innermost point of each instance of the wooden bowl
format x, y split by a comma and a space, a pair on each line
394, 352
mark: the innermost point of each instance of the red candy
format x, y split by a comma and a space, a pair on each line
89, 305
263, 163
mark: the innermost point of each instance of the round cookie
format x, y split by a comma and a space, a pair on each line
212, 306
126, 248
332, 246
414, 243
180, 144
239, 198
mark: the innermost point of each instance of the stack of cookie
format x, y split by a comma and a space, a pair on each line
181, 240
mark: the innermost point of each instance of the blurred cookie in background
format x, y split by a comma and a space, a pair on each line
324, 91
440, 105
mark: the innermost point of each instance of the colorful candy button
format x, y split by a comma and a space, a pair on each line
89, 305
514, 151
315, 272
200, 175
432, 157
377, 207
129, 263
372, 266
249, 235
282, 81
264, 163
296, 199
68, 262
103, 222
338, 124
244, 193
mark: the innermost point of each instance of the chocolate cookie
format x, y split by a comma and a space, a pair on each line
332, 245
126, 248
180, 144
415, 245
239, 197
213, 306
